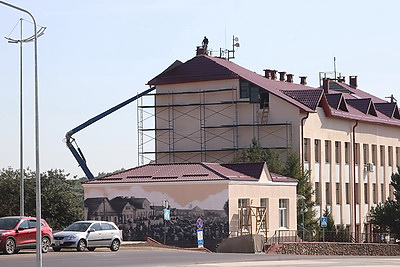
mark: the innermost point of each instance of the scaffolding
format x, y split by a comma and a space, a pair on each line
217, 132
252, 220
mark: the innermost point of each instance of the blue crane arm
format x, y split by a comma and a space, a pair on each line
77, 153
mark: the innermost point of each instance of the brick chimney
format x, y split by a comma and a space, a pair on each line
353, 81
303, 80
282, 75
289, 78
267, 73
325, 85
273, 74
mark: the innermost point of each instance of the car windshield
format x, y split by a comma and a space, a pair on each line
8, 223
78, 227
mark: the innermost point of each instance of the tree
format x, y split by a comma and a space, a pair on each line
386, 215
61, 203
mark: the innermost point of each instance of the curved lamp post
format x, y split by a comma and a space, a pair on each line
20, 42
38, 193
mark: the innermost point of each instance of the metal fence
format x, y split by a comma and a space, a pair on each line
283, 236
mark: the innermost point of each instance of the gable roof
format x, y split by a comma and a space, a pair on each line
364, 105
92, 204
206, 68
310, 98
186, 172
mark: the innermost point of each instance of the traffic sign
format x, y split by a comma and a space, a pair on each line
199, 223
324, 221
167, 214
200, 240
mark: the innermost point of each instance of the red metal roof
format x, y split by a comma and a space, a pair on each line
343, 101
185, 172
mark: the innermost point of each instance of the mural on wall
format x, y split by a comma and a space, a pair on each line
138, 211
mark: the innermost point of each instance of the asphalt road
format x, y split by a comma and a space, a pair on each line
170, 257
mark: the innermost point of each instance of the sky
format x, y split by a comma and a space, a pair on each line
96, 54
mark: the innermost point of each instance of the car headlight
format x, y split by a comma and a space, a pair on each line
70, 237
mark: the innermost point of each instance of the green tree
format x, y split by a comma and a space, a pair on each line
386, 215
61, 202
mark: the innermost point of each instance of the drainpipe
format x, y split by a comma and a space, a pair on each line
302, 141
354, 179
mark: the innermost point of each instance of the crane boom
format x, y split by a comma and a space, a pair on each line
76, 152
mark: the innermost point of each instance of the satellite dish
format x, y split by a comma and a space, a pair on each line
237, 44
236, 39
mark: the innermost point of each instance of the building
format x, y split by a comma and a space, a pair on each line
231, 199
208, 108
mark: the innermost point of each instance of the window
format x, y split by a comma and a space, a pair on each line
337, 152
398, 156
244, 89
337, 193
283, 213
306, 149
382, 154
327, 151
373, 151
243, 202
390, 156
347, 193
357, 193
263, 209
254, 94
365, 153
317, 193
96, 226
317, 150
328, 193
347, 152
382, 193
374, 193
357, 154
365, 193
24, 224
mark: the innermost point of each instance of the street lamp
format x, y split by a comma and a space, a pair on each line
38, 191
20, 41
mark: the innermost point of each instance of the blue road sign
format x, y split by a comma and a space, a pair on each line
199, 223
324, 221
167, 214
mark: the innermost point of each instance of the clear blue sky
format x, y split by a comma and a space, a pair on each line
98, 53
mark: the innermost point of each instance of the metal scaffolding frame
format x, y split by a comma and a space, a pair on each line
151, 137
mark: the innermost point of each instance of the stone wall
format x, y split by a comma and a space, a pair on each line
308, 248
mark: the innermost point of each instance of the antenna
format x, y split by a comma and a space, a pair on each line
231, 53
334, 66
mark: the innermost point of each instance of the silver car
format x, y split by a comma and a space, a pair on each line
88, 234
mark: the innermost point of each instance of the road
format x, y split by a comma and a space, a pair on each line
170, 257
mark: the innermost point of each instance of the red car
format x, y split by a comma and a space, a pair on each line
19, 232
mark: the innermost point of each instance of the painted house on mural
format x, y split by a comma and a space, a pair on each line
208, 108
231, 199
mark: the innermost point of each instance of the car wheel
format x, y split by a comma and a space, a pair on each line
9, 246
45, 244
81, 245
91, 249
56, 249
115, 245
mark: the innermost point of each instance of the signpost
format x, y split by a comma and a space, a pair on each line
200, 239
324, 224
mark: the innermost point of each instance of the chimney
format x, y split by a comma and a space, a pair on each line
303, 80
201, 51
341, 79
267, 73
273, 74
325, 85
289, 78
282, 76
353, 81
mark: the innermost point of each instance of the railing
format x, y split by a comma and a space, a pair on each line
284, 236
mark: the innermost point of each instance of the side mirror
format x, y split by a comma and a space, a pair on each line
21, 228
92, 230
